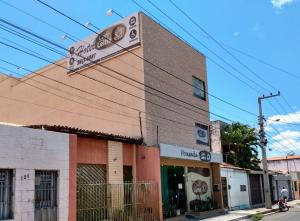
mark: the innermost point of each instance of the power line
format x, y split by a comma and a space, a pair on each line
116, 73
65, 98
210, 36
222, 46
174, 121
58, 29
151, 63
263, 62
206, 47
218, 43
197, 120
58, 89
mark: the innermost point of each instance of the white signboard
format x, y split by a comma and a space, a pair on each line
177, 152
109, 42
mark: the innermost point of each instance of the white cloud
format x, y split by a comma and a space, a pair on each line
236, 34
289, 134
284, 119
280, 3
286, 145
269, 129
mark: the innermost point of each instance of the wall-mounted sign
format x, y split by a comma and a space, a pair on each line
202, 135
172, 151
205, 155
109, 42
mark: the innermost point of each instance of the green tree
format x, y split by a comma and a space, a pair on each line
242, 145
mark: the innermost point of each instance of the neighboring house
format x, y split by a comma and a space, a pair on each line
235, 181
284, 164
277, 182
289, 165
243, 188
296, 184
126, 94
34, 174
66, 174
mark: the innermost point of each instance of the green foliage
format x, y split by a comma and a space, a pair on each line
242, 143
199, 205
258, 216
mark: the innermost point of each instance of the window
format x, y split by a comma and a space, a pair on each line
6, 192
295, 185
199, 88
243, 188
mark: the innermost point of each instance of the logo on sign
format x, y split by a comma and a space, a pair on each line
133, 34
132, 21
110, 36
204, 155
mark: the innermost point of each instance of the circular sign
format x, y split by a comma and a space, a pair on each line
199, 187
72, 50
132, 20
118, 33
204, 155
71, 61
132, 34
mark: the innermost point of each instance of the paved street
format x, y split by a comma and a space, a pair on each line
292, 215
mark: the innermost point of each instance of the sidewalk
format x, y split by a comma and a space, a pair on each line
244, 214
237, 214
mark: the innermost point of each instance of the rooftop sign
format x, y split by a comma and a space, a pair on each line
107, 43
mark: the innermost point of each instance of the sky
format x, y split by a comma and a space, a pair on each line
262, 35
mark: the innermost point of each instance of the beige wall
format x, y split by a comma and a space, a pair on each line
29, 105
167, 51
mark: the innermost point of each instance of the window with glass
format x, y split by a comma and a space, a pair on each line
199, 88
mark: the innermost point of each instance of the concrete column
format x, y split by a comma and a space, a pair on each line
115, 162
115, 174
216, 175
186, 188
134, 163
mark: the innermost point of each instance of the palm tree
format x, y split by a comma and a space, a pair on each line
243, 143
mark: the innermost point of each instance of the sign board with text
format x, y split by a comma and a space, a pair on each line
177, 152
117, 38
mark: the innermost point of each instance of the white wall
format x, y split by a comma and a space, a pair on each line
284, 166
237, 199
26, 150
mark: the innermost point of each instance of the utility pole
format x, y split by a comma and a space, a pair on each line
263, 144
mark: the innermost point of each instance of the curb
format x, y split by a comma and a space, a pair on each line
249, 216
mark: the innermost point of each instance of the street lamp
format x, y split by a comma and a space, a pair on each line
109, 12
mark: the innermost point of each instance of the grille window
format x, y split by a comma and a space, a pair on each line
243, 188
6, 192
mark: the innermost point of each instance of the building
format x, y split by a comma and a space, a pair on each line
236, 188
33, 163
138, 81
61, 172
296, 184
277, 182
288, 165
243, 188
284, 164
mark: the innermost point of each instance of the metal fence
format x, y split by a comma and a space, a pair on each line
117, 202
6, 194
